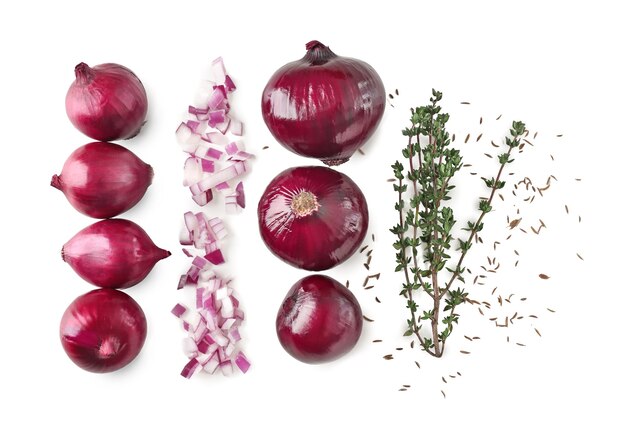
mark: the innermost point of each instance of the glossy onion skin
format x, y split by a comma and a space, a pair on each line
323, 106
107, 102
103, 179
103, 330
112, 253
325, 238
319, 320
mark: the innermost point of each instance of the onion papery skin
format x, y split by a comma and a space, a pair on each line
103, 179
107, 102
323, 106
112, 253
329, 234
319, 320
103, 330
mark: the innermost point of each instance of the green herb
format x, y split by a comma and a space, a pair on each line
424, 233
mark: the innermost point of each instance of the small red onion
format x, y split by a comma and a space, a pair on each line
112, 253
323, 106
319, 320
313, 217
103, 330
106, 102
102, 179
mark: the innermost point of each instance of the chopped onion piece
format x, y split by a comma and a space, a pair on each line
217, 97
178, 310
190, 368
215, 257
229, 84
207, 166
236, 127
216, 138
203, 198
187, 253
223, 126
216, 117
242, 362
240, 196
218, 71
190, 349
217, 226
192, 171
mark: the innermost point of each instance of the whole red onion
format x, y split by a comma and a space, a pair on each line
103, 330
313, 217
106, 102
112, 253
102, 179
323, 106
319, 321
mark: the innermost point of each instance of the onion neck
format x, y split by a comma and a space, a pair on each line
317, 53
83, 73
56, 182
304, 204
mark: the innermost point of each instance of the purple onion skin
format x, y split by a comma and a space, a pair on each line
103, 330
329, 234
323, 106
107, 102
102, 179
319, 320
112, 253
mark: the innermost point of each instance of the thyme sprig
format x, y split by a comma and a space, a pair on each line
426, 223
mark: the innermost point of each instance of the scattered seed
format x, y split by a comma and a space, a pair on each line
479, 136
552, 156
507, 339
376, 341
366, 266
551, 310
579, 219
390, 96
363, 249
520, 344
368, 287
402, 389
443, 393
418, 364
399, 349
535, 135
397, 93
377, 299
373, 238
467, 138
391, 180
367, 319
347, 283
558, 136
458, 374
488, 155
407, 386
544, 276
453, 136
465, 103
361, 151
444, 379
412, 344
476, 337
579, 256
501, 196
265, 147
499, 117
388, 356
566, 209
468, 338
537, 331
481, 311
465, 352
514, 223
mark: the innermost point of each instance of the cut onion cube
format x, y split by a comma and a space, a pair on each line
241, 156
216, 138
230, 172
229, 84
187, 253
234, 147
223, 126
208, 151
192, 171
217, 226
185, 237
242, 362
203, 198
190, 368
219, 337
240, 196
183, 133
218, 71
218, 95
190, 349
235, 127
199, 262
211, 365
178, 310
215, 117
222, 186
215, 257
208, 166
227, 368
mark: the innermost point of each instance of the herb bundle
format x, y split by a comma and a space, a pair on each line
425, 239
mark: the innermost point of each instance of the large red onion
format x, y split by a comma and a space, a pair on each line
103, 330
113, 253
313, 217
102, 179
106, 102
319, 321
323, 106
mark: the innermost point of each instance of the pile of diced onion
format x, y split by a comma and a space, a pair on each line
215, 162
212, 138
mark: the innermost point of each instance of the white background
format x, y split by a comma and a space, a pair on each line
556, 65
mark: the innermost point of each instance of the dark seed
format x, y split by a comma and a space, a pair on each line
543, 276
499, 117
376, 341
367, 319
361, 151
265, 147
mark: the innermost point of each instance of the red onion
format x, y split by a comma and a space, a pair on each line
103, 330
319, 321
102, 179
106, 102
323, 106
112, 253
313, 217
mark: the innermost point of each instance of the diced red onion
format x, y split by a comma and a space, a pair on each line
229, 84
190, 368
179, 310
236, 127
240, 196
242, 362
216, 138
218, 70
